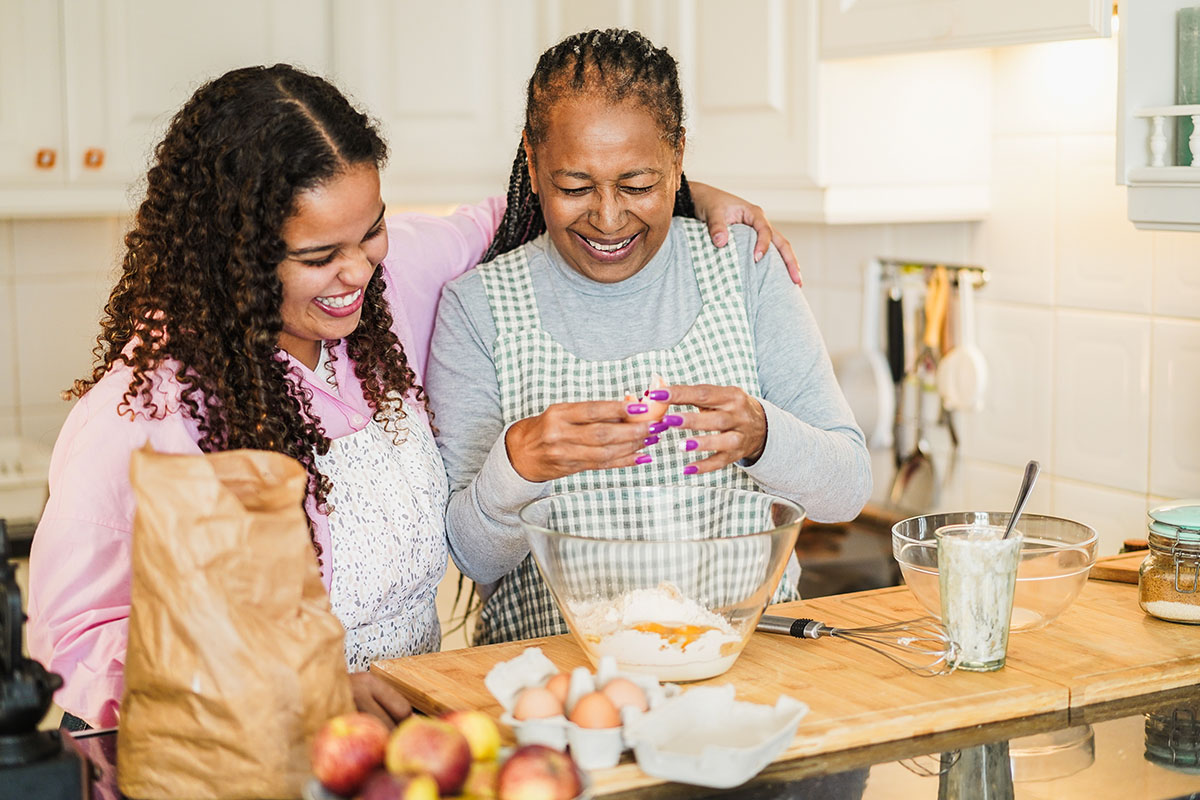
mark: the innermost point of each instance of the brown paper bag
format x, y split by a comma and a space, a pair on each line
234, 657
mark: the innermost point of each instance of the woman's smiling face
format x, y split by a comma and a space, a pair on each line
335, 240
606, 179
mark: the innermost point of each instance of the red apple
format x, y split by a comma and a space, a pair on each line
385, 786
537, 772
483, 736
346, 750
481, 780
433, 746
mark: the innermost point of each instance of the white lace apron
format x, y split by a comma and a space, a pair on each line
533, 371
388, 537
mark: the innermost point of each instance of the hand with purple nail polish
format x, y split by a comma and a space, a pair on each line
733, 423
690, 469
649, 440
568, 438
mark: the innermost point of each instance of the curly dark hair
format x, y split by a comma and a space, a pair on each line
199, 292
612, 65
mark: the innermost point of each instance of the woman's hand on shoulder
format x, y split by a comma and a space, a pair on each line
374, 695
735, 422
721, 209
572, 437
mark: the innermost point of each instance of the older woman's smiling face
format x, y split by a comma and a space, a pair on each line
606, 179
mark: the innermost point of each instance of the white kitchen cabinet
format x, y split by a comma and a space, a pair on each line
87, 88
852, 28
1166, 195
445, 80
896, 139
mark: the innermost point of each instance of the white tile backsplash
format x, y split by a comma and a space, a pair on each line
1103, 261
41, 422
57, 324
1102, 399
8, 347
949, 242
1116, 515
6, 262
808, 243
1055, 87
993, 487
847, 250
67, 247
1175, 429
1017, 241
1015, 423
1177, 274
841, 319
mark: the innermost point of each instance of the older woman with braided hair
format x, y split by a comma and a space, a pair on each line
265, 302
602, 279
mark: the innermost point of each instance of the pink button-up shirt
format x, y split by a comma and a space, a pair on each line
79, 569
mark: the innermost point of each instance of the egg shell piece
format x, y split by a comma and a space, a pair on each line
707, 738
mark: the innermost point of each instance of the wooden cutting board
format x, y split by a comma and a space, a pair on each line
1122, 567
855, 697
1102, 648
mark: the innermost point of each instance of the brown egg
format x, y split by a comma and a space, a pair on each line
559, 684
537, 703
624, 692
595, 710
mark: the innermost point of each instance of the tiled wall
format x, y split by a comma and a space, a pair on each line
1091, 328
54, 278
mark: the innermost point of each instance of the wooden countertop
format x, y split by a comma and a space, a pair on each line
1102, 648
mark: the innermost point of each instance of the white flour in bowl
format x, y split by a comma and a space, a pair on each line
658, 631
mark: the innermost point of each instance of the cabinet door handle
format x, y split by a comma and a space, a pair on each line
93, 158
45, 158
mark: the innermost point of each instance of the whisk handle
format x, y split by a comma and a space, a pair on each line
800, 628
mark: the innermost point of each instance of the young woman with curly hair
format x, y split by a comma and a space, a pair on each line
265, 302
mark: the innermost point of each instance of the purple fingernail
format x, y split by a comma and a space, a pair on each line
658, 427
649, 440
690, 469
688, 445
672, 420
643, 459
637, 408
658, 394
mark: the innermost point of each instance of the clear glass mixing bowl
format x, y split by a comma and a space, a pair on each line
668, 580
1056, 556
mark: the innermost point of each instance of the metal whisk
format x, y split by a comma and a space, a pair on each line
922, 645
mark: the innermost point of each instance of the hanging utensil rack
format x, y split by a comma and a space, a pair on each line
895, 266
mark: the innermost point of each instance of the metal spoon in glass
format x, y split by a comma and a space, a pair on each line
1032, 470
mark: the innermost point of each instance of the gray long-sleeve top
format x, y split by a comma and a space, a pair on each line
815, 454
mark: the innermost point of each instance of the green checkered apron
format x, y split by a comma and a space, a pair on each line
534, 371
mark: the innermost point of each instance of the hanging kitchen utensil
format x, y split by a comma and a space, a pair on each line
915, 486
895, 353
863, 374
962, 375
921, 645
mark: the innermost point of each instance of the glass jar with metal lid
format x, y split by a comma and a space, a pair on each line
1169, 578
